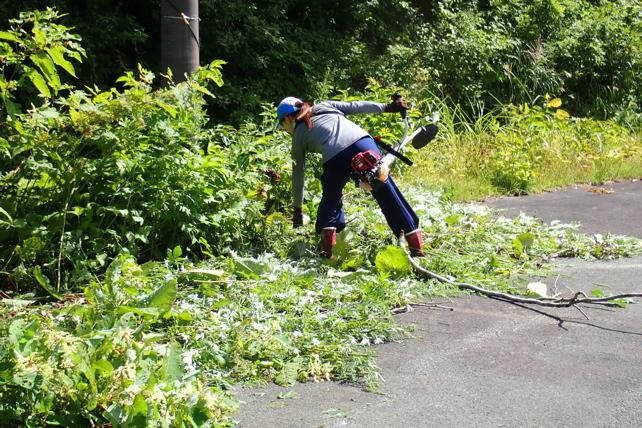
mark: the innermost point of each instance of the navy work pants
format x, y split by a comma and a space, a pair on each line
336, 173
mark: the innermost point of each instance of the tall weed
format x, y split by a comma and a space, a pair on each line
523, 149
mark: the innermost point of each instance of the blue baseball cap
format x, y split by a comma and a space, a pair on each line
286, 107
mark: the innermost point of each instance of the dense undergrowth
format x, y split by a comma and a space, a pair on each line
161, 343
147, 260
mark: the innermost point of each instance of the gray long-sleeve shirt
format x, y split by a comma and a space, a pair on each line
331, 132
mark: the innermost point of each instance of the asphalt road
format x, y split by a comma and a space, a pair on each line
493, 364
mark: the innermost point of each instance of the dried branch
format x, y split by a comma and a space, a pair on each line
407, 308
577, 298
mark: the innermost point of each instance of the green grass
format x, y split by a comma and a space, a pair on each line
524, 150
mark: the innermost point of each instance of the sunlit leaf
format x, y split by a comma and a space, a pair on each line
554, 103
174, 368
392, 260
57, 54
39, 82
6, 214
562, 114
162, 298
5, 35
47, 68
139, 412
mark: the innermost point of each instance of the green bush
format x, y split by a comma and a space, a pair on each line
137, 170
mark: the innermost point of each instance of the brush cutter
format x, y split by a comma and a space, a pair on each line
371, 169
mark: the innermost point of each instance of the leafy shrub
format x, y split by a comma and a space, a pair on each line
31, 55
601, 51
136, 170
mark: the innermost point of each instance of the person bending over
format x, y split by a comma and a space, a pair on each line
324, 128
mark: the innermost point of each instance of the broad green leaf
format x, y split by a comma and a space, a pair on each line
522, 243
47, 68
162, 298
103, 97
139, 412
6, 214
249, 268
202, 89
21, 329
39, 82
77, 55
177, 251
215, 74
527, 239
150, 312
452, 220
168, 108
6, 35
12, 108
174, 368
39, 35
103, 366
392, 260
57, 54
115, 414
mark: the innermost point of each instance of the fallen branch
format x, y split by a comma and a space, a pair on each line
407, 308
579, 297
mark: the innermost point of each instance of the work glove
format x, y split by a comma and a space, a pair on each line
297, 217
396, 106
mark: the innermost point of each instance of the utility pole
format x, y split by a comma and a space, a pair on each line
179, 37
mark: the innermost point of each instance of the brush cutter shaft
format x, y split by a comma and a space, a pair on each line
389, 158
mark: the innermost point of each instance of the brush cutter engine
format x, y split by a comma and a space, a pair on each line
368, 170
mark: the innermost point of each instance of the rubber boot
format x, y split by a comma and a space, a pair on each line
328, 240
415, 243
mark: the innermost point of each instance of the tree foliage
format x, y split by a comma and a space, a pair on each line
478, 53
